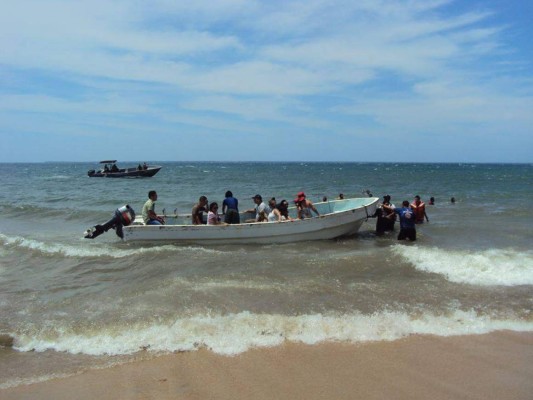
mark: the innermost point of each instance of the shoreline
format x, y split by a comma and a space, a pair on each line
489, 366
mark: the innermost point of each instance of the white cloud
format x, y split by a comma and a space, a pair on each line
307, 65
323, 44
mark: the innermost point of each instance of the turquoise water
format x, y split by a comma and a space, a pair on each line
71, 304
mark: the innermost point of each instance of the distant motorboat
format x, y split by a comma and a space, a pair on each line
110, 170
337, 218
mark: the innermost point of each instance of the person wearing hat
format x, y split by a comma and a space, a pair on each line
304, 206
261, 209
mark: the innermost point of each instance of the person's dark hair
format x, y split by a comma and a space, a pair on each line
202, 198
283, 208
405, 203
229, 194
213, 205
151, 193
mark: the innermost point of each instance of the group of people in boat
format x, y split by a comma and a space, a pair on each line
113, 168
270, 211
263, 212
409, 214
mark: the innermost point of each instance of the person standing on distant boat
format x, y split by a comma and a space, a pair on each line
230, 209
407, 221
198, 210
148, 213
304, 206
419, 208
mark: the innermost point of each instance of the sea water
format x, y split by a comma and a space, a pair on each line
68, 304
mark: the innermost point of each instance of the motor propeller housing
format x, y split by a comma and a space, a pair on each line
123, 216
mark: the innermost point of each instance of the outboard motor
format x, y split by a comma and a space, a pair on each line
124, 216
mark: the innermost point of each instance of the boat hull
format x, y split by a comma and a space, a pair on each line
126, 173
345, 219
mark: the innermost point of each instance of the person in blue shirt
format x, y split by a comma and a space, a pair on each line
407, 221
230, 209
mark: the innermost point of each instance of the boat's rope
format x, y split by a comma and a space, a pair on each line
366, 211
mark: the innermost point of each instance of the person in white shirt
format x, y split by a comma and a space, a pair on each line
261, 209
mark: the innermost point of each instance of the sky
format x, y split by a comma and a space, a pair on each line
246, 80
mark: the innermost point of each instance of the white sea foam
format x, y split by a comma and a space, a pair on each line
84, 249
235, 333
485, 267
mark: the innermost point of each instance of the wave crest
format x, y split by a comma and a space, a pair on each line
486, 267
235, 333
87, 250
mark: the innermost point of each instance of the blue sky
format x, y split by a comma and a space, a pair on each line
236, 80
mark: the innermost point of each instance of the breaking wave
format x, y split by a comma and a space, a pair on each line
488, 267
83, 251
236, 333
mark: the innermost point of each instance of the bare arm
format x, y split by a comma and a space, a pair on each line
309, 204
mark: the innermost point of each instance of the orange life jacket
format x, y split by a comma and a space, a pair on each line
419, 210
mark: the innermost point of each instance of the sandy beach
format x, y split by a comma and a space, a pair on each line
491, 366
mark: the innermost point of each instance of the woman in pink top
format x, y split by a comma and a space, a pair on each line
212, 215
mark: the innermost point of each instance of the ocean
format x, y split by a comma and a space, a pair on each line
68, 304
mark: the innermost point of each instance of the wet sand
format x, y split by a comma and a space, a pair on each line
493, 366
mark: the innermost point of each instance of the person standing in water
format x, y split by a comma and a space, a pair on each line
407, 221
385, 217
419, 208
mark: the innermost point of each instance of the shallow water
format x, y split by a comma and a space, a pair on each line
71, 303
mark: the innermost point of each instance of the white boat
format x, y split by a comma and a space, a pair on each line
337, 218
